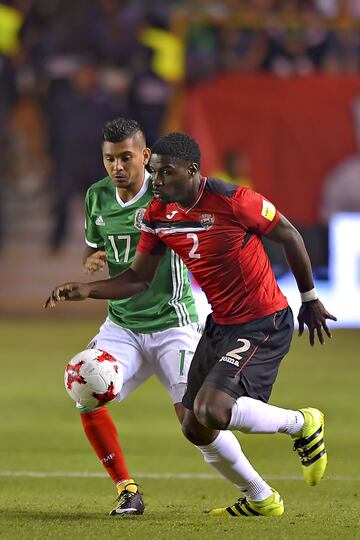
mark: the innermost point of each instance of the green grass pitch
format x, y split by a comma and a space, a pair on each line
40, 433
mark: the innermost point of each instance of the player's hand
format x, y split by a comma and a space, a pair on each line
96, 261
314, 315
68, 291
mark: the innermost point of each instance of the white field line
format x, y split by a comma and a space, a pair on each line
156, 476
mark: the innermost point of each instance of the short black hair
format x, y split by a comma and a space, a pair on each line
178, 145
120, 129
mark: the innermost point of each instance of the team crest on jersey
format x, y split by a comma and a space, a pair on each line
139, 216
207, 220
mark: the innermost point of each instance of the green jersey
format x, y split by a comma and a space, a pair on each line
115, 226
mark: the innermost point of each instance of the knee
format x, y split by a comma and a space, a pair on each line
195, 432
190, 431
211, 414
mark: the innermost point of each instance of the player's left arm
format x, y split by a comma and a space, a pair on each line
94, 255
312, 312
94, 259
136, 279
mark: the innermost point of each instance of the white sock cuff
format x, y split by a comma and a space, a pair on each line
223, 437
253, 416
224, 446
235, 419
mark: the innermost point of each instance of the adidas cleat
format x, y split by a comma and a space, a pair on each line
309, 444
128, 503
271, 506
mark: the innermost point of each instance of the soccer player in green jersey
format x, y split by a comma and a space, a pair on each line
154, 332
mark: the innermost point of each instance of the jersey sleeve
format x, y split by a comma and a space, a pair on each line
92, 236
254, 212
149, 242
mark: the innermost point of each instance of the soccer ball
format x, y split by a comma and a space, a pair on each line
93, 377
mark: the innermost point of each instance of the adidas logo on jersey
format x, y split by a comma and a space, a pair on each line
99, 221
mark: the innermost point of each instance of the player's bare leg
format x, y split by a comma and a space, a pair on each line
179, 411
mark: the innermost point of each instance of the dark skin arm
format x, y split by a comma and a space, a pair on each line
138, 277
134, 280
313, 313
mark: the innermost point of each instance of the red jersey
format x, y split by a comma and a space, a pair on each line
219, 240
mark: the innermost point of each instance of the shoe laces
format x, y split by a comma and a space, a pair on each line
125, 494
242, 501
302, 449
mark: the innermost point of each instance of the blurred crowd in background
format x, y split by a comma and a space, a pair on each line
67, 66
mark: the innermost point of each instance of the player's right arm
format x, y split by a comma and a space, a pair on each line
136, 279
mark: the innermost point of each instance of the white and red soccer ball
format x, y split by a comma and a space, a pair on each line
93, 377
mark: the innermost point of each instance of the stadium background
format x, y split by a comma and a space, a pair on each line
277, 84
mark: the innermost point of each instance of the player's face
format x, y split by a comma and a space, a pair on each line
173, 180
125, 161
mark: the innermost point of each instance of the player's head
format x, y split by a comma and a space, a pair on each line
124, 152
120, 129
175, 166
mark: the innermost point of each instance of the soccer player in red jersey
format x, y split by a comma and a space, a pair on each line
216, 229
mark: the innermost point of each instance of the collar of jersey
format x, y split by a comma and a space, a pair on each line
137, 196
198, 197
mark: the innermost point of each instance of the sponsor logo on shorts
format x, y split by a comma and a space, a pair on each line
229, 360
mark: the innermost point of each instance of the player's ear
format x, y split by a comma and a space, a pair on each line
146, 155
193, 169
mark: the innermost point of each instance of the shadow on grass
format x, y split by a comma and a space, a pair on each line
56, 515
62, 516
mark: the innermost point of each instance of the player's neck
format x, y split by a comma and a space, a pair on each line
192, 194
128, 193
